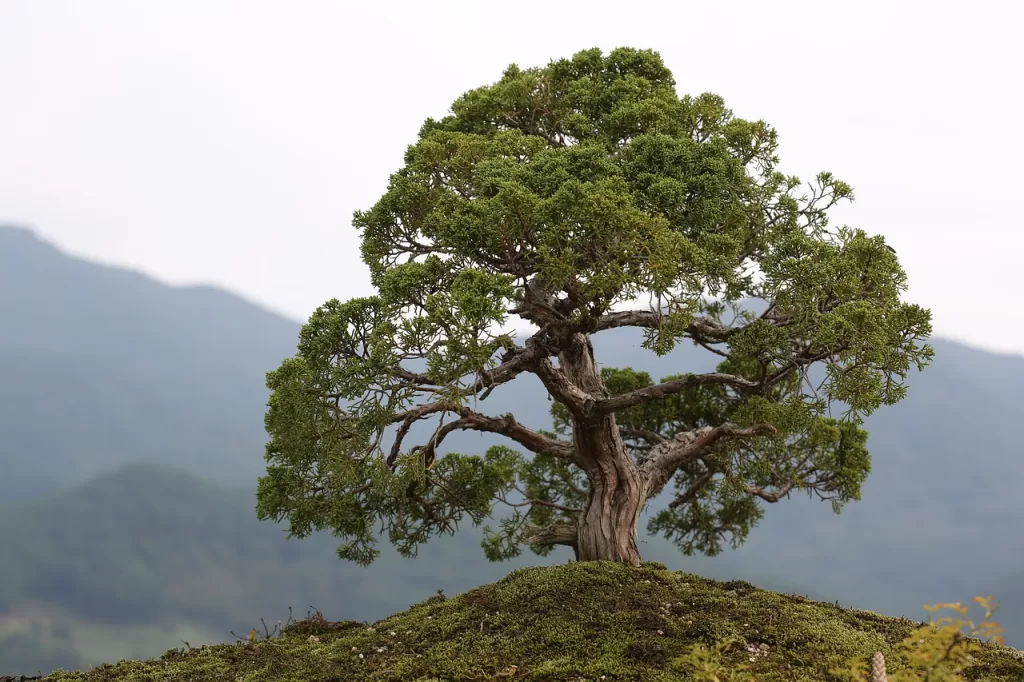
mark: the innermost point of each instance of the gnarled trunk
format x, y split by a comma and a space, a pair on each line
608, 526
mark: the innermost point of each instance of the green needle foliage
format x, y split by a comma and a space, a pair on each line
564, 195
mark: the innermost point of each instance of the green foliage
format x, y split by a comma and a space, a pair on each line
937, 651
550, 486
561, 194
706, 665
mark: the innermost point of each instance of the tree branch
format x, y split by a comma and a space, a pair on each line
649, 436
665, 458
705, 329
513, 363
767, 496
561, 389
408, 419
531, 501
667, 388
507, 426
693, 490
555, 534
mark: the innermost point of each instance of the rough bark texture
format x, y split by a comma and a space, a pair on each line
607, 527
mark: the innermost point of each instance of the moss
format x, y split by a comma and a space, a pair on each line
573, 622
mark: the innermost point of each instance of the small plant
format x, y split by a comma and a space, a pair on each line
706, 664
254, 635
936, 652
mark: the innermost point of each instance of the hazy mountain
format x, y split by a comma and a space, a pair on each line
102, 369
102, 365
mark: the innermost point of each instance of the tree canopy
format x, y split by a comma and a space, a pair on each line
580, 197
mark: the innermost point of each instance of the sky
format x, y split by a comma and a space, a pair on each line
228, 143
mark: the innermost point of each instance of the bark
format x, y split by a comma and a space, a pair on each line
608, 525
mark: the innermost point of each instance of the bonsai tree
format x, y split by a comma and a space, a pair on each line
582, 197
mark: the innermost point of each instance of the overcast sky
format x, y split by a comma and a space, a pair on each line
205, 141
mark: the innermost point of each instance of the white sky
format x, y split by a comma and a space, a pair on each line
229, 142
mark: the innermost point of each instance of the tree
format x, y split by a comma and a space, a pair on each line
563, 195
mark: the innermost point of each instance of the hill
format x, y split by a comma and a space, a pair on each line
578, 621
102, 366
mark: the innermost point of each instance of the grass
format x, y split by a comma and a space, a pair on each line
578, 621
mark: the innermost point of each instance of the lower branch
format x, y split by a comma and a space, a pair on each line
470, 420
693, 491
665, 458
555, 534
531, 502
770, 496
507, 426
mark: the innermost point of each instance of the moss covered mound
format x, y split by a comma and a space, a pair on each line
578, 621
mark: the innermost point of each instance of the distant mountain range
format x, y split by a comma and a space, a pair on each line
102, 366
131, 439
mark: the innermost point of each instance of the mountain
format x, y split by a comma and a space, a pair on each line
131, 439
102, 366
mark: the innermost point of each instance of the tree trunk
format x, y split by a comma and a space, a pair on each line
608, 525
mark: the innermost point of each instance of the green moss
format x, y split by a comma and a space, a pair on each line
578, 621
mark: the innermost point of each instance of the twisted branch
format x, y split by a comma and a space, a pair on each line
667, 457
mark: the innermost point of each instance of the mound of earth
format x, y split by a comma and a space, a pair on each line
572, 622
